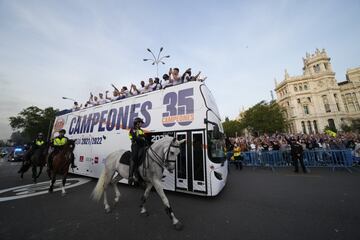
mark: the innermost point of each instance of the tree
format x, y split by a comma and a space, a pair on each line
232, 127
3, 143
32, 120
263, 118
17, 138
345, 127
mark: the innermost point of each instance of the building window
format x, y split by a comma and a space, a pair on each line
326, 66
317, 68
306, 110
288, 103
331, 124
338, 106
356, 102
295, 88
300, 88
305, 87
326, 103
337, 102
315, 126
309, 99
350, 102
345, 104
310, 127
303, 127
298, 100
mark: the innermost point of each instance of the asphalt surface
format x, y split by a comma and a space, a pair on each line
255, 204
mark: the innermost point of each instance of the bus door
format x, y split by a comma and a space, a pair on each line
198, 161
190, 166
181, 164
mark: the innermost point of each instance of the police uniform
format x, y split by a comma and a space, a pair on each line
297, 154
58, 144
138, 143
36, 144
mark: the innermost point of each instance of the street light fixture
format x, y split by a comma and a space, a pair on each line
156, 60
69, 99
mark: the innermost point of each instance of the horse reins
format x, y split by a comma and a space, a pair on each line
160, 161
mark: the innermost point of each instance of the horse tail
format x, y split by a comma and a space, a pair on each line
99, 188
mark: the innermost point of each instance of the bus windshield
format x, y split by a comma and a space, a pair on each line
216, 148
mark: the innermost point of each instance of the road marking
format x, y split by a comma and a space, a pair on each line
31, 190
302, 175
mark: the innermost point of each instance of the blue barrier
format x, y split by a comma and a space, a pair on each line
312, 158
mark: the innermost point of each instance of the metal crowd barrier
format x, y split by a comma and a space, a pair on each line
312, 158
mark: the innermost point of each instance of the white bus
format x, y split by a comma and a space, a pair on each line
185, 111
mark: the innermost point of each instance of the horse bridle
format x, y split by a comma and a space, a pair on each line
163, 163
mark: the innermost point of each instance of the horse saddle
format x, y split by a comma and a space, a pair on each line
126, 158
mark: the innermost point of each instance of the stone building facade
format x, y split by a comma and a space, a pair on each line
315, 99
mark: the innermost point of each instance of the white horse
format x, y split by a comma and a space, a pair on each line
162, 154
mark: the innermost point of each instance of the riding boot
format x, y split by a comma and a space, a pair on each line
49, 163
73, 161
131, 173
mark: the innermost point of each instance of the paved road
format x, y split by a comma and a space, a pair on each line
258, 204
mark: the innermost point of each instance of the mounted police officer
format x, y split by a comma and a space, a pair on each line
58, 144
36, 144
138, 144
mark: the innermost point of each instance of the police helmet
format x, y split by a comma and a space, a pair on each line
138, 120
63, 131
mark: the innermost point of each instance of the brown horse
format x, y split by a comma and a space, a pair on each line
60, 165
34, 158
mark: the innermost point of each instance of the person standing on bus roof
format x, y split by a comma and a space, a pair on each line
175, 76
138, 143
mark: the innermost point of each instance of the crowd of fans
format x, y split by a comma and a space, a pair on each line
171, 79
281, 142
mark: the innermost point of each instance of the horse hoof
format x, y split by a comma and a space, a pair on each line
178, 226
107, 210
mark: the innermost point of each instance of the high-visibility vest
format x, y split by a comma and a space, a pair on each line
39, 142
237, 151
60, 141
138, 132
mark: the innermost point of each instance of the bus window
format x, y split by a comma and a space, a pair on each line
216, 147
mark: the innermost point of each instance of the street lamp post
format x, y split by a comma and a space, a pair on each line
69, 99
156, 60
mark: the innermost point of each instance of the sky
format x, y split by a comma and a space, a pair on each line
50, 49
